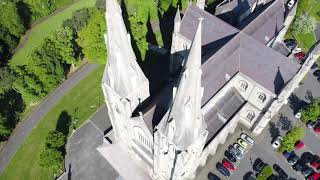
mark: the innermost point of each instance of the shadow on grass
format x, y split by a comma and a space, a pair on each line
63, 123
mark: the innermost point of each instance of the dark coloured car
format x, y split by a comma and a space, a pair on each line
280, 171
300, 166
249, 176
258, 165
212, 176
316, 73
312, 124
288, 154
230, 156
223, 170
290, 43
307, 172
293, 159
307, 157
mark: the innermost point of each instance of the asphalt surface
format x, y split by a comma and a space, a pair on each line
24, 128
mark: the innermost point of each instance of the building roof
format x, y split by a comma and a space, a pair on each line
236, 6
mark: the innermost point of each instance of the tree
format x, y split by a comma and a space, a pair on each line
139, 31
7, 77
10, 19
66, 46
4, 129
39, 8
51, 158
291, 138
55, 140
265, 173
311, 112
163, 5
304, 24
91, 38
78, 20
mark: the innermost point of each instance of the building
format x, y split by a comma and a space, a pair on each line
222, 76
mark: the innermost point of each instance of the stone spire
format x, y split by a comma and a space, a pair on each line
177, 21
123, 74
185, 120
201, 4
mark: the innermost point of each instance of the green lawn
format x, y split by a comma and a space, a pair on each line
44, 29
86, 96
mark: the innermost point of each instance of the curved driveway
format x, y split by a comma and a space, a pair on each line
25, 127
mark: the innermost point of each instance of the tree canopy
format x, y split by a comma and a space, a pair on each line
291, 138
311, 112
10, 19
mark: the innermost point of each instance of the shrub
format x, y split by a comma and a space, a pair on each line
51, 158
311, 112
55, 140
304, 24
291, 138
265, 173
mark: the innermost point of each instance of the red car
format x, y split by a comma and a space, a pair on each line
316, 162
300, 55
228, 165
317, 130
299, 144
314, 176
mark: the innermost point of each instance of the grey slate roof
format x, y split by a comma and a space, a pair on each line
236, 6
215, 32
268, 23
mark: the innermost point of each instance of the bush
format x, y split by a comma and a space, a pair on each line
311, 112
265, 173
51, 158
291, 138
55, 140
304, 24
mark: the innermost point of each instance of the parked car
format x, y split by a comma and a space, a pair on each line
317, 130
238, 147
316, 162
242, 143
307, 157
296, 50
212, 176
247, 138
300, 166
298, 145
249, 176
312, 124
223, 170
298, 115
230, 156
290, 4
290, 43
293, 159
316, 73
277, 142
314, 176
228, 165
300, 55
280, 171
307, 172
288, 154
236, 153
258, 165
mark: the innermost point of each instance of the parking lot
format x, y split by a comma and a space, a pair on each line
263, 149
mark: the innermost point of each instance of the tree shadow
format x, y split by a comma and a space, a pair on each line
24, 12
309, 96
150, 36
284, 123
63, 123
12, 105
166, 23
273, 130
296, 103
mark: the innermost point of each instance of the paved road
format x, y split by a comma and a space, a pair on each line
25, 127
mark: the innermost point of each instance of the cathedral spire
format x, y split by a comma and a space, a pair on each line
185, 122
177, 21
123, 74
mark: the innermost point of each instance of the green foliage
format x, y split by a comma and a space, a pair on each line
79, 19
303, 24
66, 46
265, 173
139, 31
51, 158
10, 19
55, 140
291, 138
4, 129
311, 112
41, 74
7, 77
163, 5
91, 38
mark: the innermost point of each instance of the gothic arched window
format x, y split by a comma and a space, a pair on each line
244, 85
262, 97
250, 115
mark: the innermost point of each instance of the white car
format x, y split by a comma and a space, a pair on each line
296, 50
237, 146
290, 4
247, 138
298, 115
277, 142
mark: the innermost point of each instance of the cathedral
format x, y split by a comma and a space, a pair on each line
222, 76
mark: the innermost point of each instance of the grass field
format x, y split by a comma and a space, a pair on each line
86, 96
44, 29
